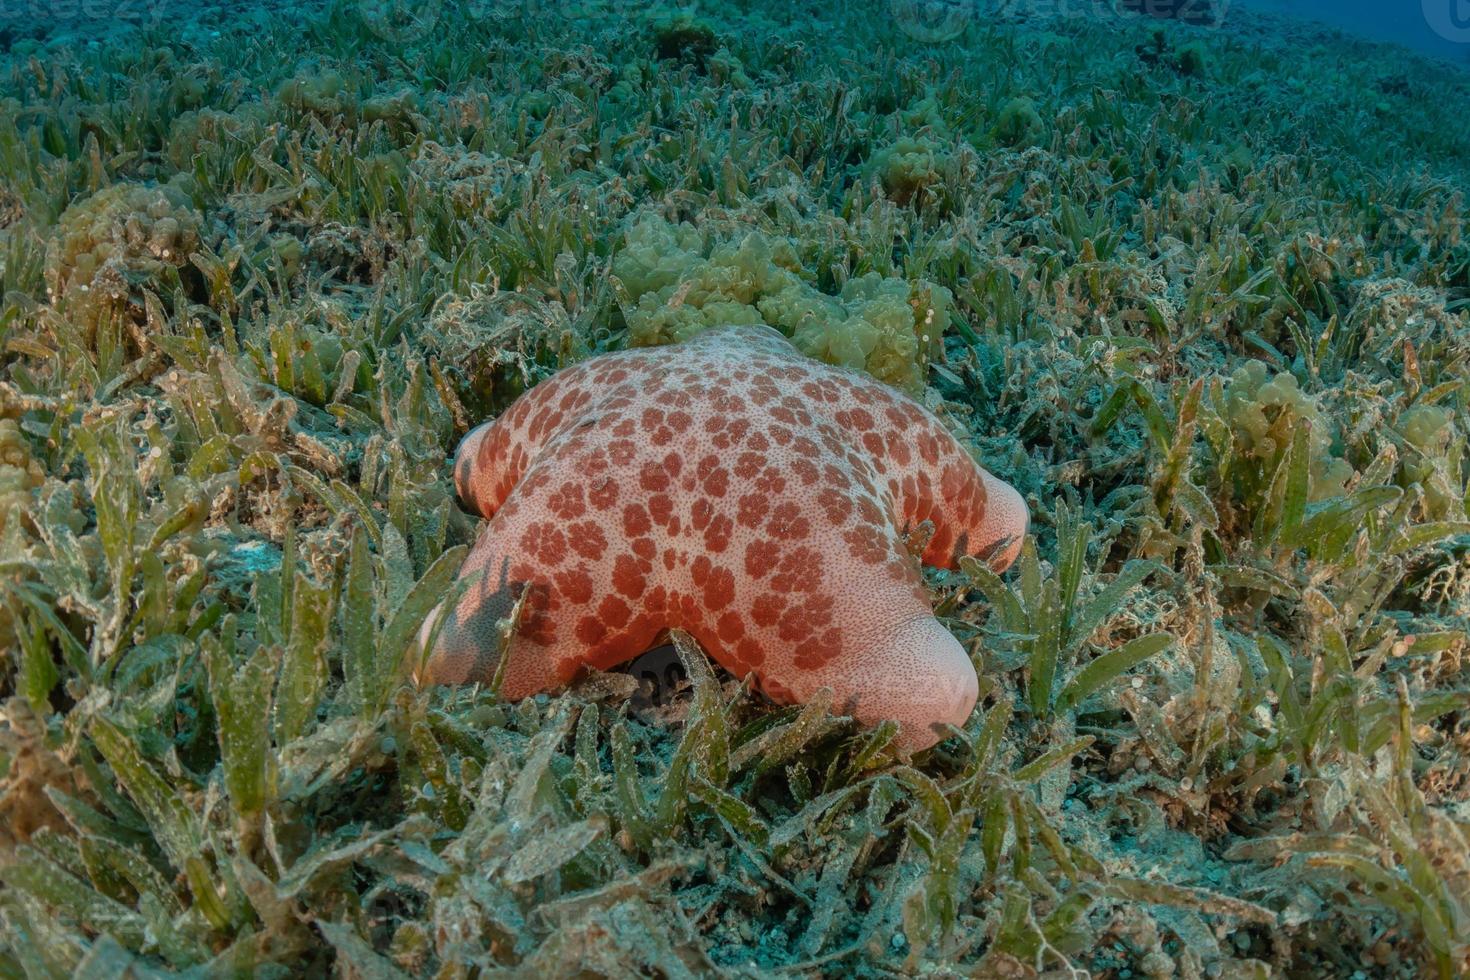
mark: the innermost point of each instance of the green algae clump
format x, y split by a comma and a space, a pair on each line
678, 284
1433, 458
908, 166
122, 237
20, 473
1263, 413
681, 36
1018, 123
324, 94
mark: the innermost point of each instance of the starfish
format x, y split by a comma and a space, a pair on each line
729, 486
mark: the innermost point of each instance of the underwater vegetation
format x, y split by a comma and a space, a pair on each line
1202, 297
677, 286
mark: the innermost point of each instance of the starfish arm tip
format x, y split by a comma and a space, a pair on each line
1006, 522
467, 476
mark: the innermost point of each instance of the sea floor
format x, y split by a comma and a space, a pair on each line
1202, 296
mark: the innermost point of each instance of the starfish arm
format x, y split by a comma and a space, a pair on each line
555, 546
974, 513
881, 652
913, 672
551, 642
466, 648
929, 476
493, 457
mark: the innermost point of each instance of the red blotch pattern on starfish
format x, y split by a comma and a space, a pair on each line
661, 512
717, 535
766, 610
713, 477
751, 510
760, 558
603, 493
799, 570
614, 612
588, 539
730, 627
628, 576
545, 542
635, 521
787, 523
574, 584
867, 544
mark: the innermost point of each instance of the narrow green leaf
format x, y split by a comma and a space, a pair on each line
29, 871
994, 823
869, 748
1109, 600
287, 584
130, 865
170, 818
739, 814
585, 765
992, 735
1105, 669
358, 622
1045, 652
38, 674
1178, 446
782, 743
525, 796
241, 701
1038, 767
1423, 535
367, 521
446, 800
303, 675
632, 807
1158, 426
1297, 486
1196, 503
1246, 577
1197, 899
928, 794
173, 823
708, 710
1073, 536
548, 851
1012, 616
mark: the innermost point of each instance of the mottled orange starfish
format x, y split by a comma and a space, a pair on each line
731, 487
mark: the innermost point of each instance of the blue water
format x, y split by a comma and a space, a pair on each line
1436, 27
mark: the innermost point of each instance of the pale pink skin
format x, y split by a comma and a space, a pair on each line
731, 487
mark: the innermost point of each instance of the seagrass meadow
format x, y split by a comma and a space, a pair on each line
1202, 295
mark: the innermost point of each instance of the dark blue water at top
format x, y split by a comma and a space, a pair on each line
1436, 27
